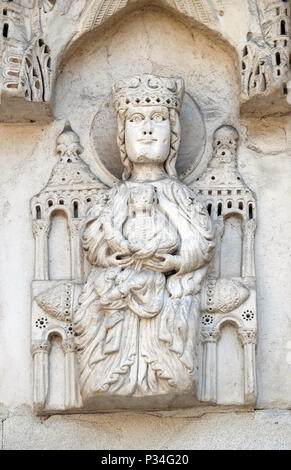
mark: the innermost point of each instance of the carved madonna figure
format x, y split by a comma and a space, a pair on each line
149, 242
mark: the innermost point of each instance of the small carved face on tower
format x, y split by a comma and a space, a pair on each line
147, 134
225, 143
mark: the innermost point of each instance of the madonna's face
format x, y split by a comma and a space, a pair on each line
147, 134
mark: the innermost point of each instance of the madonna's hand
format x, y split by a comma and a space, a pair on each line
118, 259
164, 263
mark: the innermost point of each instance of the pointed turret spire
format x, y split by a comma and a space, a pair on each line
70, 171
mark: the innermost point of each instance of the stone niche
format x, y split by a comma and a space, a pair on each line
211, 352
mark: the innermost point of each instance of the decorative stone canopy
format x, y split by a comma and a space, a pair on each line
31, 56
70, 171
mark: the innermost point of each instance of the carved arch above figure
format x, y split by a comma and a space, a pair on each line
28, 95
98, 11
204, 13
112, 295
75, 19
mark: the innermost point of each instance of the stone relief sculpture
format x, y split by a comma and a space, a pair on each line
25, 49
131, 331
71, 189
97, 10
26, 62
30, 56
149, 244
26, 57
265, 59
231, 299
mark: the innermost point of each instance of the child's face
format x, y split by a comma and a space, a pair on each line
142, 200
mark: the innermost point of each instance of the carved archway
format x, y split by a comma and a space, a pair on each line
79, 46
59, 267
27, 102
96, 12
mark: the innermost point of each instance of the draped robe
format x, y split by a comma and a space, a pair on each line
137, 326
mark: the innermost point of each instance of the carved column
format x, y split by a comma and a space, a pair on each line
248, 340
77, 260
289, 92
248, 258
209, 365
40, 232
72, 399
215, 263
40, 351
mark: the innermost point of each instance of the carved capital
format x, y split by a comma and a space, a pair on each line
247, 336
40, 228
75, 228
209, 336
249, 227
40, 347
219, 226
69, 345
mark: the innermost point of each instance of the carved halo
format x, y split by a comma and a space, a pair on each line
103, 135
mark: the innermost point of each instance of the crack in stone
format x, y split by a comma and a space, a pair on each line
2, 431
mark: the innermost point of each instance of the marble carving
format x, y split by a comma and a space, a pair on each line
30, 55
265, 59
154, 299
232, 299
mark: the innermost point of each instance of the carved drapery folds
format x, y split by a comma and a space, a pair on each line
157, 294
130, 300
48, 5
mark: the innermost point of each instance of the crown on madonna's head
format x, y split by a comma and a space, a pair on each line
148, 90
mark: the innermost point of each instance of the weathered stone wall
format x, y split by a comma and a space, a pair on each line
268, 429
159, 42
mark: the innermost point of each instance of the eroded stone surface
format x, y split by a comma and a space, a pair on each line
249, 430
32, 49
133, 42
129, 335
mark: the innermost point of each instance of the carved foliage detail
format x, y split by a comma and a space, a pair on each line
247, 336
57, 301
40, 227
224, 295
197, 9
40, 347
36, 71
68, 346
209, 336
98, 11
